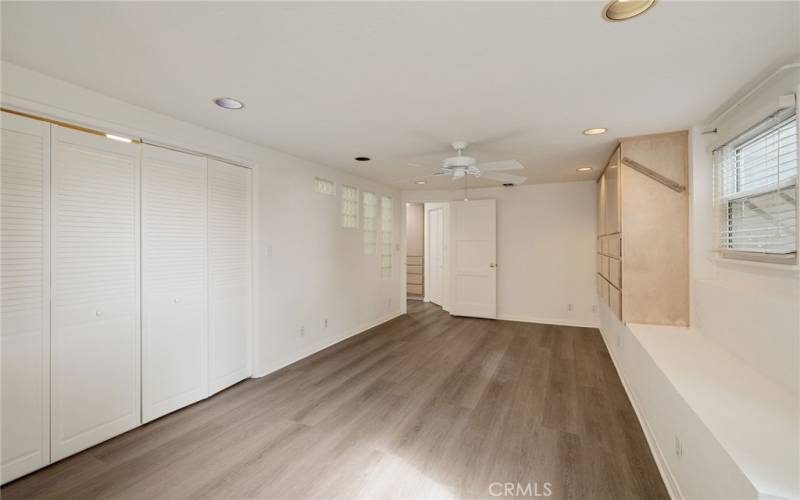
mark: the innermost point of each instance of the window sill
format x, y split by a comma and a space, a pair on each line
734, 262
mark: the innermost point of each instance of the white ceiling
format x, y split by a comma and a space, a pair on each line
399, 81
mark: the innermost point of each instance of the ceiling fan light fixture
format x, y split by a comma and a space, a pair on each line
228, 103
622, 10
595, 131
420, 183
584, 169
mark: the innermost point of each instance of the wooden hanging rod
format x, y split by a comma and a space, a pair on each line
64, 124
654, 175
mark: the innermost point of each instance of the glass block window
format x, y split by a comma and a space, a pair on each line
324, 186
370, 210
386, 236
349, 207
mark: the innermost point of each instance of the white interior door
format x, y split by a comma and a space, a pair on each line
229, 273
174, 298
95, 375
436, 257
474, 245
25, 295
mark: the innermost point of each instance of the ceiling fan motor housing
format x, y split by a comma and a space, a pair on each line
459, 162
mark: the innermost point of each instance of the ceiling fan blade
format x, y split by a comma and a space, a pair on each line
418, 177
504, 178
500, 165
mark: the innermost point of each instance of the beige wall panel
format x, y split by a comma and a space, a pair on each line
614, 247
615, 301
414, 229
655, 272
611, 194
615, 272
601, 206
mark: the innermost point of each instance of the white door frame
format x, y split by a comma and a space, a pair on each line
445, 208
473, 254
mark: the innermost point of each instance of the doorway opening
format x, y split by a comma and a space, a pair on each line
415, 251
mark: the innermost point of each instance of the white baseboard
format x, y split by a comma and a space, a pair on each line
658, 455
324, 343
550, 321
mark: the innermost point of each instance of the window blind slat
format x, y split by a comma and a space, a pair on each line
755, 191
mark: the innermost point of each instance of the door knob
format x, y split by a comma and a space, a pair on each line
176, 300
98, 313
492, 265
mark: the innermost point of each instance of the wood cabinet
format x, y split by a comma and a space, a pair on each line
643, 230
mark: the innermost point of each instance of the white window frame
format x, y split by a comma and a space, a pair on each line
723, 201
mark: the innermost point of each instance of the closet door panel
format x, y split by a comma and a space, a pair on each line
229, 273
95, 290
174, 298
25, 294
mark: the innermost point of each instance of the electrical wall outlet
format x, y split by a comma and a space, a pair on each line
569, 307
302, 331
325, 323
678, 447
594, 309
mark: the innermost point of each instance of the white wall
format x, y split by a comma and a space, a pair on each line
747, 311
545, 249
316, 269
414, 229
750, 309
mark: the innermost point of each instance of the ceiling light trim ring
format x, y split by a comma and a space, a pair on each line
635, 8
228, 103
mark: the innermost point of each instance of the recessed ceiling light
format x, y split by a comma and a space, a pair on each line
419, 182
622, 10
595, 131
362, 158
584, 169
228, 103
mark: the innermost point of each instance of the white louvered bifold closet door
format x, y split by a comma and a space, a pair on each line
24, 272
95, 290
229, 273
174, 298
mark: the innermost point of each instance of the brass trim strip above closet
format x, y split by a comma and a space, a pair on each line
63, 124
134, 140
193, 152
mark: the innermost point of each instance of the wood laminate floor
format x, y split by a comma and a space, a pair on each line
424, 406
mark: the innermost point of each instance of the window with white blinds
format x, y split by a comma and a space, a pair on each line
370, 209
386, 237
324, 186
756, 192
349, 207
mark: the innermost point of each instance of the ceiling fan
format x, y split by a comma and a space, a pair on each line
462, 166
